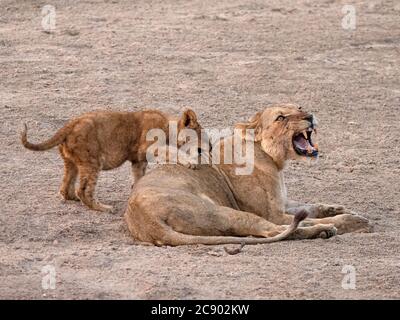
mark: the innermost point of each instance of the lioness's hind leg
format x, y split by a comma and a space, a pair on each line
225, 221
88, 179
242, 223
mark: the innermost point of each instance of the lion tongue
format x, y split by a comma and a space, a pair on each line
304, 144
301, 142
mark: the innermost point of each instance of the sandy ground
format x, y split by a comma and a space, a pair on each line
226, 60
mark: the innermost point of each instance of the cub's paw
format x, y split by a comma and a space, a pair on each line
101, 207
65, 196
107, 208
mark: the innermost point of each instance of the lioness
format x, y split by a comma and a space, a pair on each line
104, 140
172, 205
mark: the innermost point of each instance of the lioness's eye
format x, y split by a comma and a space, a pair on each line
280, 118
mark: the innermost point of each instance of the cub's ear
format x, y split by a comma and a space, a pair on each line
254, 123
188, 119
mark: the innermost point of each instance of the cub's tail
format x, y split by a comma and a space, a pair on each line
55, 140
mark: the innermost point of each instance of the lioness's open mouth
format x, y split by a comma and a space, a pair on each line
303, 144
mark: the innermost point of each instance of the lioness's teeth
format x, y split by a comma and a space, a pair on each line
305, 134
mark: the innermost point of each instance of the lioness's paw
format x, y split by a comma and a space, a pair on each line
329, 232
352, 223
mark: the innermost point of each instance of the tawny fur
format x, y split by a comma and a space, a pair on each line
172, 205
102, 141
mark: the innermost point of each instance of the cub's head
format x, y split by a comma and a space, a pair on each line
188, 120
285, 132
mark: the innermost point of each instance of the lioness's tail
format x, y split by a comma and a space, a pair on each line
57, 139
175, 238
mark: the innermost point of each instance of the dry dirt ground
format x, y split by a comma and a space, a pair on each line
227, 60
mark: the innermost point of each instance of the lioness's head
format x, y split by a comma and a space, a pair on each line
285, 132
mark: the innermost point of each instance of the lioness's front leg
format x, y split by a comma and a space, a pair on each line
317, 210
344, 223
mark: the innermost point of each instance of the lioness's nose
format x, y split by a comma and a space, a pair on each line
309, 117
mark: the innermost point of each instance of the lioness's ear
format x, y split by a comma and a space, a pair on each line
254, 123
189, 119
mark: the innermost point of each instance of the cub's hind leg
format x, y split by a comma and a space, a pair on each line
88, 178
138, 171
67, 189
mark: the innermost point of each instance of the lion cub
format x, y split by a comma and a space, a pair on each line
105, 140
